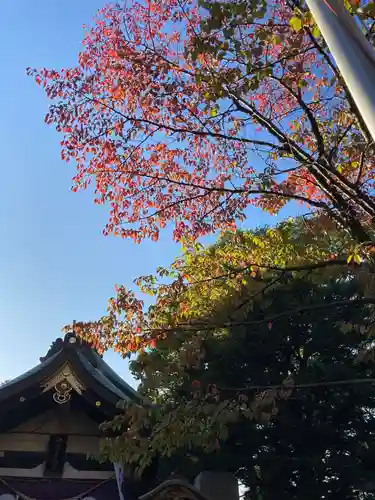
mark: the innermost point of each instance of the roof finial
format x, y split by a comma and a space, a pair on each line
71, 336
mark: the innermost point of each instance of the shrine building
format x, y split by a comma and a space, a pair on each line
49, 426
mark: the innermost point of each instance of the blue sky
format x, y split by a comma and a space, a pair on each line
55, 265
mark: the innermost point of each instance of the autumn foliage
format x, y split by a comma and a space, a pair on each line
179, 120
186, 116
242, 352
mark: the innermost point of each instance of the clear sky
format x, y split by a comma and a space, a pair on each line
55, 265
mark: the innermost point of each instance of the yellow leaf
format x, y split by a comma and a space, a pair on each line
275, 40
354, 164
357, 259
307, 18
315, 32
295, 23
349, 259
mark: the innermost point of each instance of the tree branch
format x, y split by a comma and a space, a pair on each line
181, 130
283, 270
214, 189
291, 312
309, 114
327, 383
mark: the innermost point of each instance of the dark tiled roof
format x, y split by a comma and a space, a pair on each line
33, 371
173, 489
85, 362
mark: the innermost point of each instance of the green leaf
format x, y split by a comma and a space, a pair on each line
213, 112
346, 327
254, 84
371, 332
295, 23
214, 23
228, 32
369, 9
194, 55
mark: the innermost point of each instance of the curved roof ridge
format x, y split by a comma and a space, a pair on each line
122, 392
88, 365
115, 378
174, 484
34, 370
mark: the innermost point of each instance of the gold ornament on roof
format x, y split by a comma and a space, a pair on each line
63, 383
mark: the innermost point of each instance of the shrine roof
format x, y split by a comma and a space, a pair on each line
86, 364
174, 489
29, 373
108, 378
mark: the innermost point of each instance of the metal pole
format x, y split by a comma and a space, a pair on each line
354, 55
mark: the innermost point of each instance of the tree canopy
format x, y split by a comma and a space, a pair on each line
181, 121
213, 304
187, 294
287, 405
190, 114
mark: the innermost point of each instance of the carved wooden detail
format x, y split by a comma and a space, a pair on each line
62, 384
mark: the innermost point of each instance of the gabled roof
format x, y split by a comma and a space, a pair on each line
70, 361
174, 488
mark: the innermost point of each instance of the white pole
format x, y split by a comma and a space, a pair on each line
354, 55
